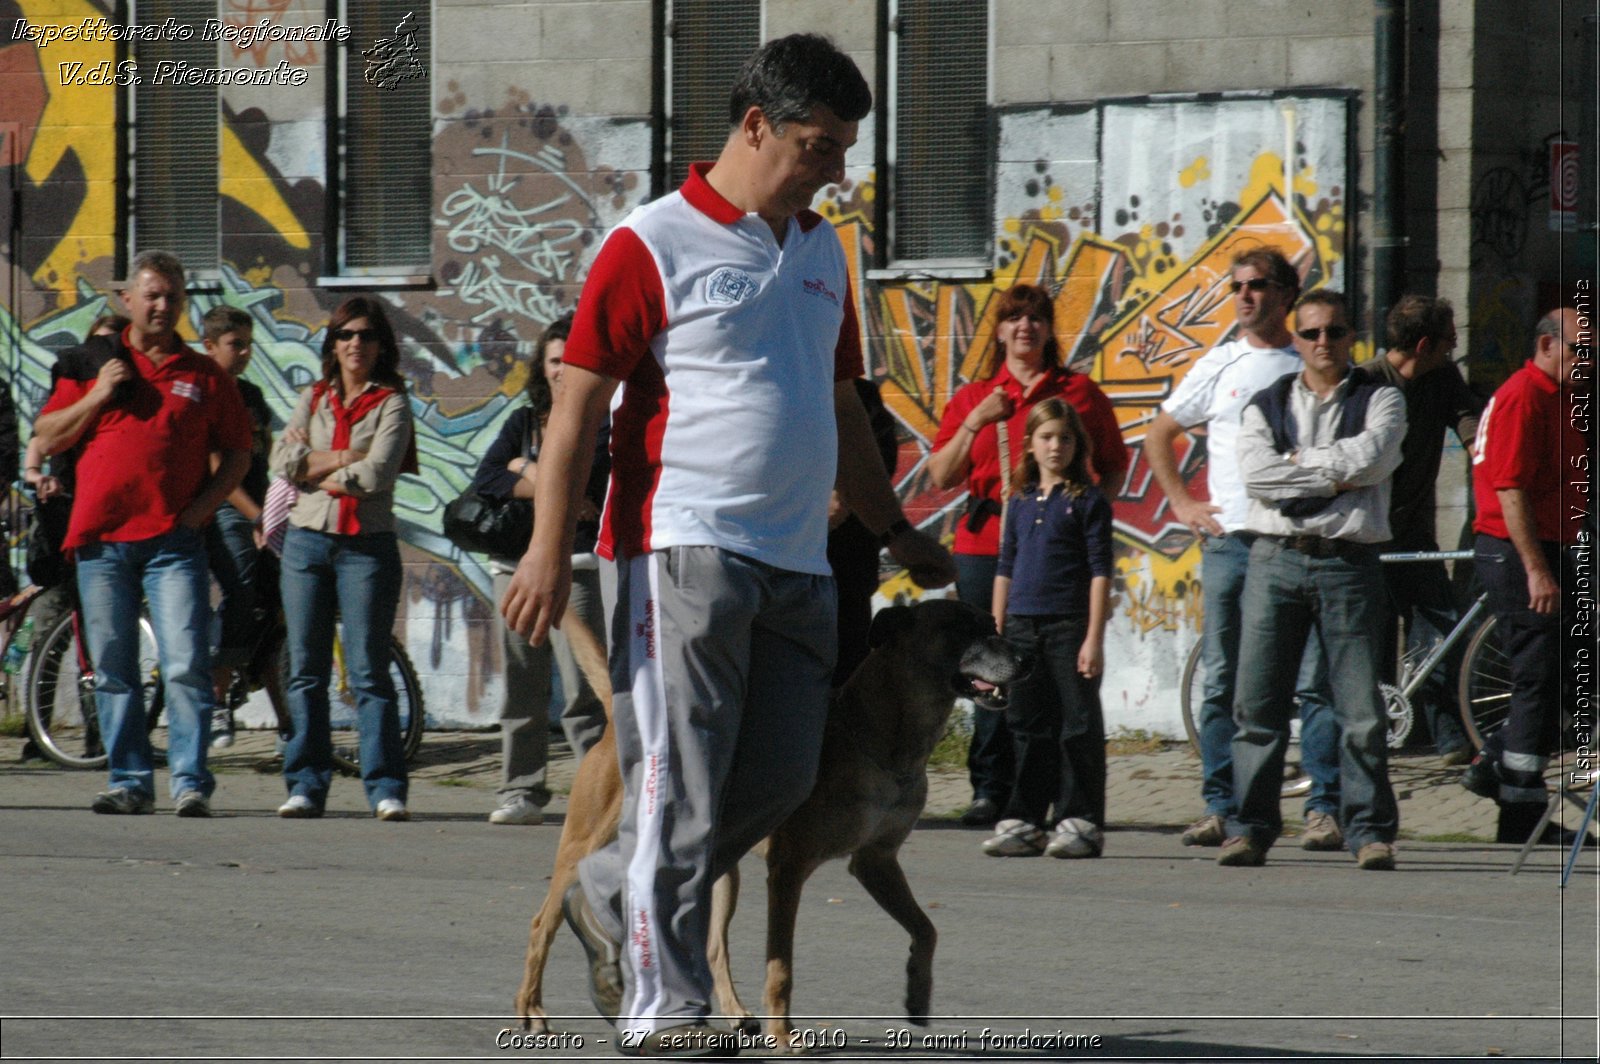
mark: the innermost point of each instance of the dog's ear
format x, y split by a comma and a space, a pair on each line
888, 623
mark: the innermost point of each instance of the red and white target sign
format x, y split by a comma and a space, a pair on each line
1563, 185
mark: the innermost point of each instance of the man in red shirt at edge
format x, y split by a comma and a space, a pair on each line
1530, 484
149, 413
966, 451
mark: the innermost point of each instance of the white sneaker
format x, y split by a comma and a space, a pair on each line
1015, 838
299, 807
517, 810
391, 809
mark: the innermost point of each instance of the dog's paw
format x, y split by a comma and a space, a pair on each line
744, 1023
534, 1021
785, 1042
917, 1008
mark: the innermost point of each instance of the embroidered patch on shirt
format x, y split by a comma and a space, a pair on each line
729, 286
187, 390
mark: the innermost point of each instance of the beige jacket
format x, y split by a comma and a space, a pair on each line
384, 434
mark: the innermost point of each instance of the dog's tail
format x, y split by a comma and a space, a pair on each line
591, 657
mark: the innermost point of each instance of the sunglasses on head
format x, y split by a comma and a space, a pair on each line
355, 334
1255, 284
1333, 332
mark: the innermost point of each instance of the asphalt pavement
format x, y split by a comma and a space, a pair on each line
245, 936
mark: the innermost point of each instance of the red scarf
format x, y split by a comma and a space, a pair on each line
344, 421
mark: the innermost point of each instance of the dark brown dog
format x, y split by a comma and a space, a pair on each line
871, 787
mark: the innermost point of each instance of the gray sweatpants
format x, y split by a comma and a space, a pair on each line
721, 667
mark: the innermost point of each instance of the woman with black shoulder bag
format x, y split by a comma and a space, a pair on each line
509, 471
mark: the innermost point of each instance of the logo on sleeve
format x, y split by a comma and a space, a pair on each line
186, 390
729, 286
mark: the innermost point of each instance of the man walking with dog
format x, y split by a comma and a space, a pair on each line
725, 312
1317, 450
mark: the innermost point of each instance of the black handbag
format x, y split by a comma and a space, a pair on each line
498, 527
478, 524
47, 566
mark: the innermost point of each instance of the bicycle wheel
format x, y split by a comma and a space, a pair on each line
1485, 685
1191, 694
61, 708
342, 714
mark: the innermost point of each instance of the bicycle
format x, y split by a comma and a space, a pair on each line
13, 615
1483, 683
61, 709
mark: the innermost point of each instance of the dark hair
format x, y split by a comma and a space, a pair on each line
540, 397
1077, 475
1417, 318
115, 322
787, 77
387, 369
1034, 300
1269, 261
223, 319
1325, 297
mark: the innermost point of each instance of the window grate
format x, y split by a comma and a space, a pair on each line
940, 185
709, 42
174, 198
387, 186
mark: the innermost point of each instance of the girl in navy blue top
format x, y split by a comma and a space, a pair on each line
1053, 593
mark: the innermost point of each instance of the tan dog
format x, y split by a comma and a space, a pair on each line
871, 787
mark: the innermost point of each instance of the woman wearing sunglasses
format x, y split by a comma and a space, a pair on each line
347, 442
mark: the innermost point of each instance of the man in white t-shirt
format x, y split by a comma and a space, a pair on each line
724, 311
1214, 393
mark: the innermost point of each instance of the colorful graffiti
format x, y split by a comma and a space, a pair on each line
1134, 242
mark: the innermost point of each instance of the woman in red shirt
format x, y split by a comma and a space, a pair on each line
983, 421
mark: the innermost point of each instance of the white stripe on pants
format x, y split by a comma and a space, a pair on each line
722, 666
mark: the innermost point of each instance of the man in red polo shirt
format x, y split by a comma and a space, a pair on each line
149, 412
1530, 480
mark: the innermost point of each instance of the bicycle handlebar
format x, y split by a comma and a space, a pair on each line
1426, 556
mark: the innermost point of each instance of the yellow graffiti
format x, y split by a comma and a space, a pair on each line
77, 119
245, 181
1127, 310
1195, 172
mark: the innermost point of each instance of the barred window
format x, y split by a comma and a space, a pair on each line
939, 143
380, 150
706, 44
173, 203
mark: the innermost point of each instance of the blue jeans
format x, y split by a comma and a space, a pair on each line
1224, 561
231, 545
1289, 598
356, 578
991, 761
168, 572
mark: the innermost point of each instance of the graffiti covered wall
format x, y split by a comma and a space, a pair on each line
1130, 210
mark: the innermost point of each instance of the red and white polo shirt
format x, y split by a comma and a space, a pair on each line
728, 346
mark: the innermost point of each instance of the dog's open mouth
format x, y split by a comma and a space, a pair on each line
986, 694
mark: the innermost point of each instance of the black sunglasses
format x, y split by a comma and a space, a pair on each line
1255, 284
1334, 333
355, 334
